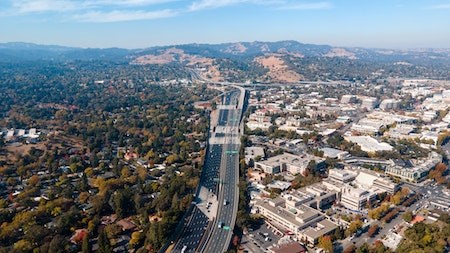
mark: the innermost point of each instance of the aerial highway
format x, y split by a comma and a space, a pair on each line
222, 229
208, 227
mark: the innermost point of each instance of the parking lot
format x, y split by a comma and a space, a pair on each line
259, 239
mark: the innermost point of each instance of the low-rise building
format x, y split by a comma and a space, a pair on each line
430, 136
302, 221
369, 144
293, 164
312, 234
253, 125
342, 176
402, 131
251, 153
368, 126
414, 171
369, 103
343, 119
389, 104
334, 153
346, 99
428, 116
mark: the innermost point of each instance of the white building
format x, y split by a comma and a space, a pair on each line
334, 153
428, 116
402, 131
369, 103
259, 120
304, 222
343, 119
374, 182
430, 136
389, 104
369, 144
253, 125
342, 176
356, 198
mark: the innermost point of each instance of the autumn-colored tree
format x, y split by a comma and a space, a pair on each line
326, 243
353, 227
33, 181
235, 241
391, 215
136, 238
350, 249
378, 212
80, 235
372, 230
438, 172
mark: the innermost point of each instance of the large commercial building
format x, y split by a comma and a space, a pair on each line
302, 221
369, 144
414, 171
356, 198
368, 126
293, 164
355, 187
334, 153
373, 181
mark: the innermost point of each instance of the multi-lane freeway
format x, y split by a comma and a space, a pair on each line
212, 231
223, 225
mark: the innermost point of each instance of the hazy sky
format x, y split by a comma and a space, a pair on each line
144, 23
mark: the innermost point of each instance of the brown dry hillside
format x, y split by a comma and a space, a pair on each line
278, 70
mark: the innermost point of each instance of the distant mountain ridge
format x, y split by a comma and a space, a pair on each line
21, 51
282, 61
18, 51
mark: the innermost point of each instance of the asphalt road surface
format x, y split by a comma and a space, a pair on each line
220, 176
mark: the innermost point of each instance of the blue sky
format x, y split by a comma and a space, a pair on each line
144, 23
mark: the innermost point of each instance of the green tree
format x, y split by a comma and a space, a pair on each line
338, 233
113, 230
213, 105
86, 247
408, 216
118, 204
104, 245
57, 244
365, 248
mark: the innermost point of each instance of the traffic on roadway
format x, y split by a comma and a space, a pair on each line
220, 176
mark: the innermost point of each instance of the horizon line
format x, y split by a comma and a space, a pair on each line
220, 43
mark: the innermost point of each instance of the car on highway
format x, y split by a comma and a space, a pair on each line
225, 202
220, 225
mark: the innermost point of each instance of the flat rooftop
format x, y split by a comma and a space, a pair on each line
321, 228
